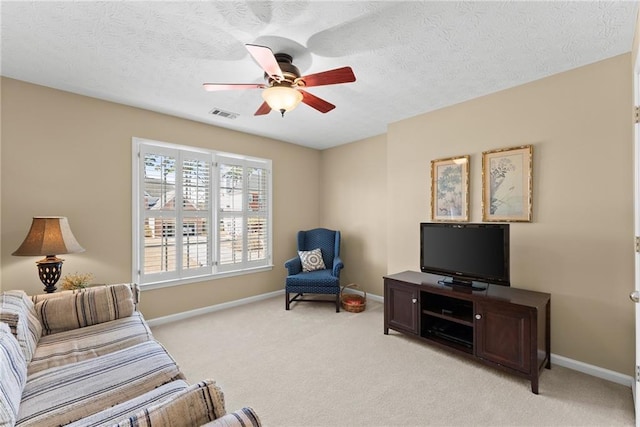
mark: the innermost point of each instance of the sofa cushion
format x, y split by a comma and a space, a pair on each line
13, 375
195, 406
17, 310
131, 407
135, 290
68, 393
311, 260
86, 343
245, 417
88, 307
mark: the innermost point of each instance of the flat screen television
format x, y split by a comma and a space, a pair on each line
466, 254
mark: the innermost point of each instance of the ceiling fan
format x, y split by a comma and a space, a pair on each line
283, 88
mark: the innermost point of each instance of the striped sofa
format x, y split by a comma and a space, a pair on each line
88, 358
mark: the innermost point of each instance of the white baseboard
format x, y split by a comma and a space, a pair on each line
556, 359
595, 371
212, 308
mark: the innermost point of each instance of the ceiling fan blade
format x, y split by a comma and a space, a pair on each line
267, 61
331, 77
264, 109
315, 102
212, 87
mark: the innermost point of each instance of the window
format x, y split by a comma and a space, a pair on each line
198, 214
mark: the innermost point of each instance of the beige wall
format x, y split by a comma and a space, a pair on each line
579, 246
354, 190
70, 155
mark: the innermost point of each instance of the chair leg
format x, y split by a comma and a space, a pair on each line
337, 303
286, 296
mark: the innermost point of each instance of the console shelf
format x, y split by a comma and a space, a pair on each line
451, 318
499, 326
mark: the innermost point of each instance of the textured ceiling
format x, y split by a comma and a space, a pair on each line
408, 57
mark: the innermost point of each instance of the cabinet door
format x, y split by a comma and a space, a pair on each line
401, 306
503, 335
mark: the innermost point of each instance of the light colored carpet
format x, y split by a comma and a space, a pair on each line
311, 366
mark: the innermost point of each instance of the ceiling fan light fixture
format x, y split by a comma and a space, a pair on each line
282, 98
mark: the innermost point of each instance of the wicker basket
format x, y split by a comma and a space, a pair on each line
354, 303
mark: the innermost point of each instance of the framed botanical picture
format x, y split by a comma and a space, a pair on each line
506, 184
450, 189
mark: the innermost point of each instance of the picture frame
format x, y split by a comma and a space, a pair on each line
450, 189
507, 184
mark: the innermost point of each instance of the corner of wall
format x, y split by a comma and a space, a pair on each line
636, 40
0, 184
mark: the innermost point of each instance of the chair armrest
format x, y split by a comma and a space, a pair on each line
85, 307
337, 266
294, 266
244, 417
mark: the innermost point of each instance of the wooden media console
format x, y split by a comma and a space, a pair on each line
500, 326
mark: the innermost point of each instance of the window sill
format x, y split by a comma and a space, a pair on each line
208, 277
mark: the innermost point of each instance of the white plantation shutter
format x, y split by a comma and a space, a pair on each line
257, 213
159, 215
198, 213
243, 213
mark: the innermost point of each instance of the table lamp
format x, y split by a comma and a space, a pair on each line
49, 236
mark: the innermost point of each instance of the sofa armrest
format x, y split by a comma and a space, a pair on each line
18, 311
85, 307
195, 406
244, 417
13, 373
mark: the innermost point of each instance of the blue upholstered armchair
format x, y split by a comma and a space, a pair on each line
322, 279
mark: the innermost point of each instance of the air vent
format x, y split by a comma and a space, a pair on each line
222, 113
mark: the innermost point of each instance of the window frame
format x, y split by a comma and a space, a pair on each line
214, 270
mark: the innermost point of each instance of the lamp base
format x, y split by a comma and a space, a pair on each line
50, 269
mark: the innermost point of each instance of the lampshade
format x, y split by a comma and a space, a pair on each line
282, 98
49, 236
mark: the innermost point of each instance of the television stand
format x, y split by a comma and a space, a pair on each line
499, 326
